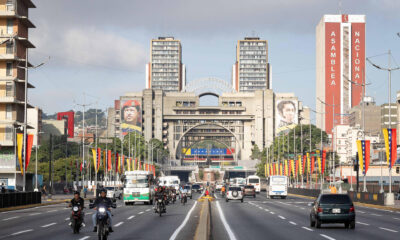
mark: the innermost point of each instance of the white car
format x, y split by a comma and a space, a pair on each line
234, 193
218, 186
114, 192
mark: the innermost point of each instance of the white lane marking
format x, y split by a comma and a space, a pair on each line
129, 218
264, 202
148, 210
23, 231
396, 218
6, 219
327, 237
373, 214
66, 219
48, 225
89, 213
272, 212
387, 229
33, 214
215, 196
366, 224
175, 234
360, 211
306, 228
141, 213
118, 224
84, 238
293, 223
52, 211
302, 208
266, 210
226, 225
281, 217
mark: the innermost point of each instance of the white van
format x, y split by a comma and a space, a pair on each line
170, 181
255, 181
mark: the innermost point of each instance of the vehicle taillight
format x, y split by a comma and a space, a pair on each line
352, 209
227, 193
319, 209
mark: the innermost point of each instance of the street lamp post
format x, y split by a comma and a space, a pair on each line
389, 69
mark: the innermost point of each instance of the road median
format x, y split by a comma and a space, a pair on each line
203, 228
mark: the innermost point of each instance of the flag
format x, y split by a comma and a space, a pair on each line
98, 159
136, 165
109, 163
94, 159
389, 134
292, 167
29, 143
363, 147
129, 164
286, 172
281, 169
319, 164
300, 165
81, 167
308, 163
20, 142
323, 161
105, 161
304, 163
312, 164
140, 165
297, 166
276, 169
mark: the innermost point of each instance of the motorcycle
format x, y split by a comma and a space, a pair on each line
102, 220
184, 198
76, 219
160, 207
173, 198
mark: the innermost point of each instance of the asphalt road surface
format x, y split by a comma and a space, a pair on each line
256, 218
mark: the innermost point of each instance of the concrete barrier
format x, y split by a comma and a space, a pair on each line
365, 197
305, 192
203, 228
16, 199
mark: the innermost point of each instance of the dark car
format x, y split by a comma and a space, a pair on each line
196, 188
333, 208
249, 190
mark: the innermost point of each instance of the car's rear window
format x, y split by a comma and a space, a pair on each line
187, 187
249, 187
335, 199
196, 186
234, 189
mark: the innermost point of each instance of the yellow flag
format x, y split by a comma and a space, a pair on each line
129, 164
94, 159
20, 138
308, 163
300, 166
292, 167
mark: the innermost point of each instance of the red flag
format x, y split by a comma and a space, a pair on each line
29, 143
109, 164
289, 168
323, 161
367, 155
297, 166
81, 167
98, 158
394, 147
312, 164
140, 165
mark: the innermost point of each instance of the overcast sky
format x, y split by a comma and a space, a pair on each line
101, 47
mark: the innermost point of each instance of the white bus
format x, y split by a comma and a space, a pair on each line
255, 181
237, 181
170, 181
277, 186
138, 187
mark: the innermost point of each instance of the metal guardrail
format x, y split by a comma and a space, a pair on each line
19, 199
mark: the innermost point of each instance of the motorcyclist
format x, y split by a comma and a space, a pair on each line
80, 202
102, 199
161, 194
223, 190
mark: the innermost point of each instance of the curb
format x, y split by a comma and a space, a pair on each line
203, 228
356, 203
44, 203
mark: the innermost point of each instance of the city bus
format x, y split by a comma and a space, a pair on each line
138, 187
255, 181
277, 186
170, 181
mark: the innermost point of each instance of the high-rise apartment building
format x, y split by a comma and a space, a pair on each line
165, 70
14, 26
251, 70
340, 58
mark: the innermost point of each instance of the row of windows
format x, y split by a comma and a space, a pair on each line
185, 104
168, 74
253, 65
165, 60
252, 43
253, 83
165, 65
158, 48
255, 48
254, 61
165, 43
161, 80
245, 57
253, 70
254, 74
252, 52
208, 112
232, 104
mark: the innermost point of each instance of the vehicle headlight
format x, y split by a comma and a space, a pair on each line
75, 208
102, 210
159, 200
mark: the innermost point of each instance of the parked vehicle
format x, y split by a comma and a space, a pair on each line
277, 186
333, 208
249, 190
234, 193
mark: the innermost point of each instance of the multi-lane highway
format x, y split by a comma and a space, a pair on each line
256, 218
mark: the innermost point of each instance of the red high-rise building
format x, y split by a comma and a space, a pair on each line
340, 58
69, 116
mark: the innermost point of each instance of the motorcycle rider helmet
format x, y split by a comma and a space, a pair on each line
103, 190
77, 192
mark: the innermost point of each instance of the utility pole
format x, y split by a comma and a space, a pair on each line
50, 167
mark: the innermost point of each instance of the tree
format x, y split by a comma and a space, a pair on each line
201, 174
255, 152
